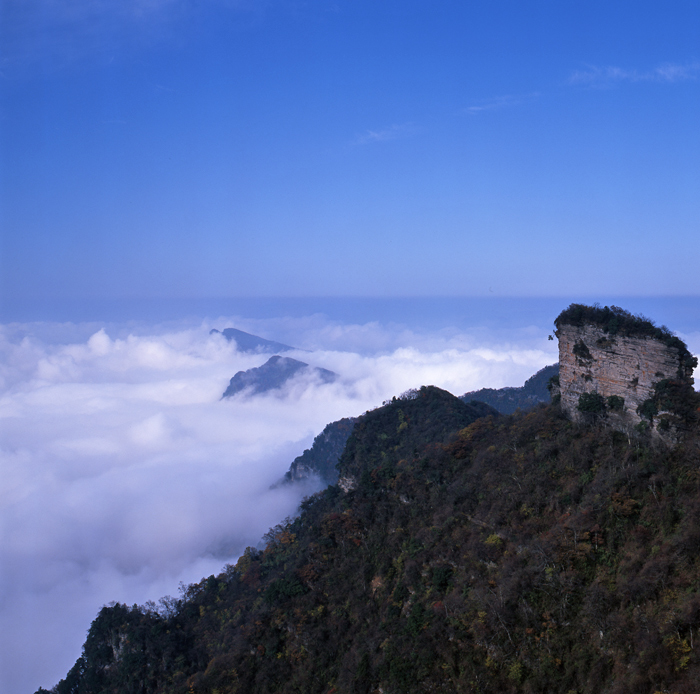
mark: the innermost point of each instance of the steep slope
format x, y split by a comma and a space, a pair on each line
507, 400
323, 456
518, 553
273, 374
624, 368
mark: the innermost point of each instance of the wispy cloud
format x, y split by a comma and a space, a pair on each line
604, 76
499, 102
393, 132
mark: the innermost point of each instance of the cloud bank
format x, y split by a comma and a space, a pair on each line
125, 473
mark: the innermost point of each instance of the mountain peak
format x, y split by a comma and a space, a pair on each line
273, 374
245, 342
623, 369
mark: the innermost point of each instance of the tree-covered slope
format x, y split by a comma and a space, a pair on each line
517, 553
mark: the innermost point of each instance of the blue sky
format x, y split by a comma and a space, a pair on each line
164, 148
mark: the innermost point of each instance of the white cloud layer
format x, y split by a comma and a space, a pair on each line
124, 472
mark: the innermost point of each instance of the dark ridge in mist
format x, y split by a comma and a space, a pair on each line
245, 342
525, 397
273, 374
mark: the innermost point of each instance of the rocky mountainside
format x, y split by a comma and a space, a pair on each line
245, 342
625, 368
323, 456
273, 374
521, 553
460, 551
321, 459
508, 400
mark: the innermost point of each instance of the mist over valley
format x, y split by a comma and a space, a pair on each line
126, 474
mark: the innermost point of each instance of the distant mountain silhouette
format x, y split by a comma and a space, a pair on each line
245, 342
274, 373
507, 400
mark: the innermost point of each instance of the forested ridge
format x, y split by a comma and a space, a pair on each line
516, 553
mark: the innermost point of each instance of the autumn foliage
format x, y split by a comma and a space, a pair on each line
520, 553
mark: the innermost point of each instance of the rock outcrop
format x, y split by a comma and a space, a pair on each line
624, 368
321, 459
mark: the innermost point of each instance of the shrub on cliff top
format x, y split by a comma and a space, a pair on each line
616, 321
591, 403
676, 397
616, 403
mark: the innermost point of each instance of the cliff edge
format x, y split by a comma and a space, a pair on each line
624, 368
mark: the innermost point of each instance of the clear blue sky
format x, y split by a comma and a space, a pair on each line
165, 148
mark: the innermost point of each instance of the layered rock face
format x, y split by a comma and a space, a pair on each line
628, 367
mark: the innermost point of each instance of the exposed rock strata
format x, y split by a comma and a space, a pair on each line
591, 360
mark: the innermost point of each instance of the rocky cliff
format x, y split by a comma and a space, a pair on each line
624, 368
321, 459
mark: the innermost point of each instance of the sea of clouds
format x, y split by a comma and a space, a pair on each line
125, 473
